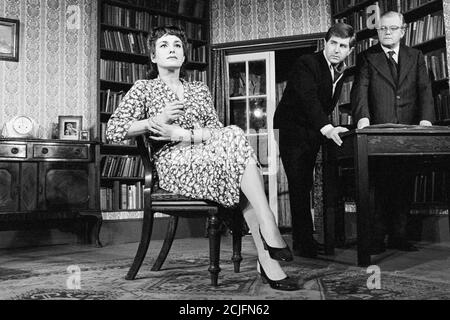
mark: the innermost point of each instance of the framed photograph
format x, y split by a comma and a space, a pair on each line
9, 39
84, 135
70, 127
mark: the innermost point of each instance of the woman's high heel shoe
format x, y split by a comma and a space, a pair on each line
286, 284
280, 254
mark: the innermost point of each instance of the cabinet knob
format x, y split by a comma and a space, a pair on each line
44, 150
77, 151
14, 150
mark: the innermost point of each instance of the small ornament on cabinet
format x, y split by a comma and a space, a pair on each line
22, 126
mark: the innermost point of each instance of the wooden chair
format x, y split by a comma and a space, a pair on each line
178, 206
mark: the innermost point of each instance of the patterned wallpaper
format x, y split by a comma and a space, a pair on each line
56, 72
239, 20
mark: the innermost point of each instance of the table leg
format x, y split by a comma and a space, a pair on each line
362, 200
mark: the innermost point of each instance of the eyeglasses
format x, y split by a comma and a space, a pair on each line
391, 28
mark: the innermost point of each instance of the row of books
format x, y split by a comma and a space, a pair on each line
197, 54
121, 166
136, 43
110, 100
190, 8
341, 5
119, 71
341, 118
425, 29
144, 21
430, 187
359, 19
104, 140
130, 42
407, 5
395, 5
122, 196
360, 47
195, 75
442, 105
436, 62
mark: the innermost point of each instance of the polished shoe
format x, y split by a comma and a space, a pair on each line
402, 245
286, 284
280, 254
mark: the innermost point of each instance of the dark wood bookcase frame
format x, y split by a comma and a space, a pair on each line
103, 117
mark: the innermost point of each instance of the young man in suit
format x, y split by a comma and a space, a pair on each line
392, 86
302, 120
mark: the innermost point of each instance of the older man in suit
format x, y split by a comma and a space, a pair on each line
392, 86
302, 118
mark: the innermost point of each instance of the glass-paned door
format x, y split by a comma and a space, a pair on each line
252, 105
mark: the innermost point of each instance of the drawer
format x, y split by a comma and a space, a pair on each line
69, 152
13, 150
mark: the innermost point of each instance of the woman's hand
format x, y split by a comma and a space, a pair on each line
167, 132
172, 111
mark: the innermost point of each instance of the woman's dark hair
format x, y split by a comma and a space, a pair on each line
157, 33
343, 31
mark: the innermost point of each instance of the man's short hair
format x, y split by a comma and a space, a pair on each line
394, 14
343, 31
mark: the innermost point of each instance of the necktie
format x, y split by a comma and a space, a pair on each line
393, 66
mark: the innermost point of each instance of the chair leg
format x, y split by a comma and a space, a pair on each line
237, 240
214, 247
170, 235
147, 226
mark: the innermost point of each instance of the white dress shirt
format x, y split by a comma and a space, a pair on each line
396, 50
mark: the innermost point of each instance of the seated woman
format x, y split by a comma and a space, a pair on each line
200, 158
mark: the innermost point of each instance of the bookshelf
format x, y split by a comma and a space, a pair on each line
425, 32
123, 58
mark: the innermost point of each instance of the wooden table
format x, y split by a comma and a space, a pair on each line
360, 148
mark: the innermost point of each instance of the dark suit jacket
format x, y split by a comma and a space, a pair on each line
376, 96
307, 100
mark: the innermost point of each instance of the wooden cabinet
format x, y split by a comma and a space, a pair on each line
48, 180
9, 177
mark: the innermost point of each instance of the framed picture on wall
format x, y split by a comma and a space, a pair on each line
9, 39
70, 127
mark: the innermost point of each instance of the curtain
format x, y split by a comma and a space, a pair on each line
220, 85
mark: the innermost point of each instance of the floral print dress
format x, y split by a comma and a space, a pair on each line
211, 170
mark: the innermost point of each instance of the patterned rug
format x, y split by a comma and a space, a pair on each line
187, 278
